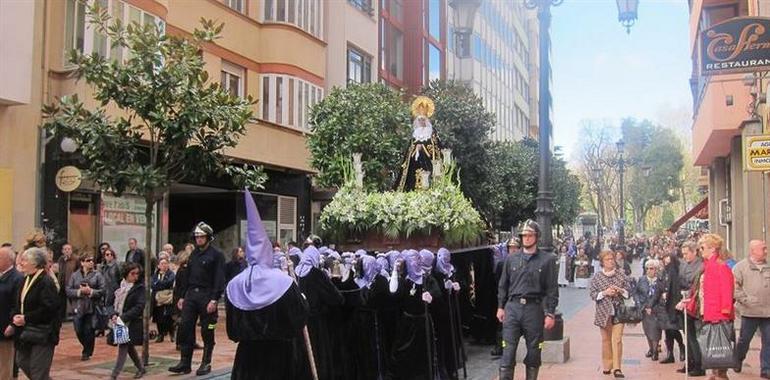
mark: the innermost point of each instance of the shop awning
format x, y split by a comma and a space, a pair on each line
700, 210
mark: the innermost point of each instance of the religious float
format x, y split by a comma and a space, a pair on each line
427, 208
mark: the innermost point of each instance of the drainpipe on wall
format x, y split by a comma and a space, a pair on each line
41, 141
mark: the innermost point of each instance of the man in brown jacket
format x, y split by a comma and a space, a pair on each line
752, 297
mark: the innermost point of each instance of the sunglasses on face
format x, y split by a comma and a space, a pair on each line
88, 260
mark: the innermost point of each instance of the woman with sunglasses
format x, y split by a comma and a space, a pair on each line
110, 270
85, 291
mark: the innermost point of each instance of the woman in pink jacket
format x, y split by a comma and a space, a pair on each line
711, 298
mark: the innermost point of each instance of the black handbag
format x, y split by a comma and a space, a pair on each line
625, 313
35, 334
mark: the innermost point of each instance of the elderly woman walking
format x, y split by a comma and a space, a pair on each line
35, 318
608, 288
645, 293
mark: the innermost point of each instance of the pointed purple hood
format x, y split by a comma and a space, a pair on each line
260, 284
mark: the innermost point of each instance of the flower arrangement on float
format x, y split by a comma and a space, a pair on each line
439, 212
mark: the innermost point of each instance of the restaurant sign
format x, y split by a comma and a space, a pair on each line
738, 45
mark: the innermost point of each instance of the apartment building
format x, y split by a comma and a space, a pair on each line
263, 53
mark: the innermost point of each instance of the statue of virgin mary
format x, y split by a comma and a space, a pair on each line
423, 150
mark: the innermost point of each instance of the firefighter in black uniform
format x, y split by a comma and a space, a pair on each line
205, 285
527, 296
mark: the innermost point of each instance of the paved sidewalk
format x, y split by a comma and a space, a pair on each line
68, 366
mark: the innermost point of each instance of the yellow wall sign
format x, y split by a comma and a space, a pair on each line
68, 178
756, 153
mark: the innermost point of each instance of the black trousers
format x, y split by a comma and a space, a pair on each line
195, 302
84, 329
693, 348
35, 360
522, 320
749, 326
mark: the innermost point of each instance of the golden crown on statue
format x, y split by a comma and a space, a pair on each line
423, 106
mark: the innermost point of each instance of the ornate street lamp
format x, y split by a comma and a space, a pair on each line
544, 211
464, 15
627, 13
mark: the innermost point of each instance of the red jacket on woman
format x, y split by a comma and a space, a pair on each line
717, 290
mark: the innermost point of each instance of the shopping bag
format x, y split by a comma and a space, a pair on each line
716, 341
120, 333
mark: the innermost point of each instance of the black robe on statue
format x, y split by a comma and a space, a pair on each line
321, 295
270, 340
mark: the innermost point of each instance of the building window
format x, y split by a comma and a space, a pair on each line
304, 14
279, 100
359, 67
395, 53
434, 62
265, 98
75, 26
713, 15
80, 36
434, 19
395, 9
280, 93
236, 5
232, 78
363, 5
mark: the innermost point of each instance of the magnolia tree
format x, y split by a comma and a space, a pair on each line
171, 123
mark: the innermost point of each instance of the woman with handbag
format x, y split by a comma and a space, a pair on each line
163, 297
129, 304
609, 287
85, 290
39, 302
711, 301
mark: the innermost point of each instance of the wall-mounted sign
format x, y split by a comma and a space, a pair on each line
123, 218
68, 178
756, 153
740, 44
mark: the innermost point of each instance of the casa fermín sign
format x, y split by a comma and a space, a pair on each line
738, 45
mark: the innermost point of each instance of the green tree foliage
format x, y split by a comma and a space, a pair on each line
464, 126
566, 188
172, 124
654, 178
370, 119
514, 167
512, 182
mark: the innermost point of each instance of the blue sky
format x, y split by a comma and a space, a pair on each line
602, 73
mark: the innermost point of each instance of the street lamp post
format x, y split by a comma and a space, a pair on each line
544, 211
621, 169
627, 13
